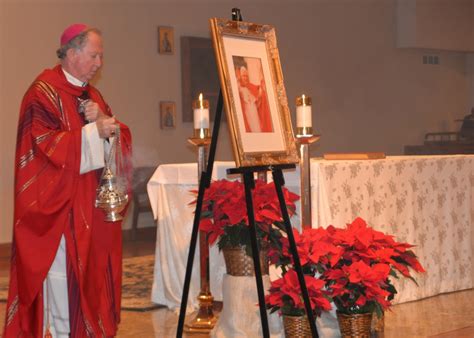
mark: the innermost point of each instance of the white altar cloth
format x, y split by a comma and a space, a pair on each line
169, 192
427, 201
240, 316
424, 200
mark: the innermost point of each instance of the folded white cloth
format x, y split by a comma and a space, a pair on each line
240, 316
327, 325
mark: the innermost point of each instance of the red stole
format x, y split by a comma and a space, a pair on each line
263, 109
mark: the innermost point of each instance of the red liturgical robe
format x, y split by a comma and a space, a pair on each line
261, 102
52, 199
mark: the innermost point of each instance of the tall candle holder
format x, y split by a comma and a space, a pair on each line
304, 138
204, 320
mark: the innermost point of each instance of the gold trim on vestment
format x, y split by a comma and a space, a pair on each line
89, 331
55, 99
101, 325
39, 139
55, 143
49, 91
12, 310
63, 116
34, 202
25, 159
84, 218
31, 180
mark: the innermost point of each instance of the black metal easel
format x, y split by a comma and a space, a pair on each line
249, 182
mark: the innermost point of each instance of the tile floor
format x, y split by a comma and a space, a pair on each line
444, 316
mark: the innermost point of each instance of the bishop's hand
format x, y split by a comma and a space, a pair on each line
106, 126
92, 111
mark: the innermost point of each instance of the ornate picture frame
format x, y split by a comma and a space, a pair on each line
254, 93
165, 40
167, 115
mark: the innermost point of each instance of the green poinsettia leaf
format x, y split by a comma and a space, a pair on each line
206, 214
378, 310
393, 273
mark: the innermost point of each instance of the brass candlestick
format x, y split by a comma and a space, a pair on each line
305, 175
305, 137
204, 320
199, 134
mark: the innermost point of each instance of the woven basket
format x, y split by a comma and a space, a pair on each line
239, 264
296, 326
355, 326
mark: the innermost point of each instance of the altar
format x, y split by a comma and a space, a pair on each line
427, 201
170, 192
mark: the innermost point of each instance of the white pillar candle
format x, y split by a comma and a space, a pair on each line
303, 112
201, 113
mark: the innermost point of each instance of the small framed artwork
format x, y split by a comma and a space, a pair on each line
254, 94
168, 114
166, 40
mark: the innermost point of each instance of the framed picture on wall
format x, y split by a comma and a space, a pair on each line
167, 115
166, 40
254, 94
198, 74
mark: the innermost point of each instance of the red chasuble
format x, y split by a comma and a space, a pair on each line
53, 199
263, 108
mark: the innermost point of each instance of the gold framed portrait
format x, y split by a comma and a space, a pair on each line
254, 93
167, 115
166, 40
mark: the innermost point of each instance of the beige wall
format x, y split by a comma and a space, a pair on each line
5, 151
435, 24
368, 94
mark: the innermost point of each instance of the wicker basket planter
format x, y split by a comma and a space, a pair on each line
239, 264
296, 326
355, 326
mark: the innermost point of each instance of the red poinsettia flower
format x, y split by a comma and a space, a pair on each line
313, 246
267, 205
360, 279
224, 213
285, 294
356, 263
212, 229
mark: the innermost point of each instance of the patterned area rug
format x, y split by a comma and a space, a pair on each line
3, 288
136, 284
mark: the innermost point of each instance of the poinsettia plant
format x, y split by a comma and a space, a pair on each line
359, 280
356, 264
224, 213
285, 295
